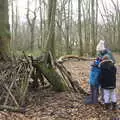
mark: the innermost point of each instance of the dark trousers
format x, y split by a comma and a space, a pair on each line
94, 94
93, 97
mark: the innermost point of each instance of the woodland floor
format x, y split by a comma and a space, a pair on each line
48, 105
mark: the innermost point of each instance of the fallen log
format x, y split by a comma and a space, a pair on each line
69, 57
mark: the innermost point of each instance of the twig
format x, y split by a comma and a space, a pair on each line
6, 87
9, 90
11, 108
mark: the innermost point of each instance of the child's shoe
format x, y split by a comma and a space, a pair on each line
114, 105
107, 106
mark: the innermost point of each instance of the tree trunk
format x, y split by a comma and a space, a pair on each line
96, 26
52, 76
80, 29
93, 41
47, 68
51, 27
40, 45
16, 24
4, 29
31, 24
59, 33
67, 22
12, 27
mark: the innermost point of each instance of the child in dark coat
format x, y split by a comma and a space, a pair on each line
108, 82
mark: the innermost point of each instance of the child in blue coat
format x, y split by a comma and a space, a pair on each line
94, 82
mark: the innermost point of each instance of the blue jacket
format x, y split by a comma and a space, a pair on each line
95, 76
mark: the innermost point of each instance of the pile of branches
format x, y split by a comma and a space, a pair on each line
16, 75
14, 82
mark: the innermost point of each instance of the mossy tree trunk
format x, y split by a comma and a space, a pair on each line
47, 67
4, 29
52, 76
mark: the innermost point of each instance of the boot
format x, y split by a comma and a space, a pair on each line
114, 105
88, 100
107, 106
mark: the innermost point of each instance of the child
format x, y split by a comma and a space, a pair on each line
108, 82
102, 50
94, 82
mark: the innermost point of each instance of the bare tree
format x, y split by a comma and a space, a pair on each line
80, 28
4, 29
86, 22
40, 44
12, 27
59, 30
93, 41
117, 10
51, 26
16, 21
31, 22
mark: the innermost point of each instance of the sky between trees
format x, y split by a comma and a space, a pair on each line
22, 7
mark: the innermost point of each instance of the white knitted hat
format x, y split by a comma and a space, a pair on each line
100, 46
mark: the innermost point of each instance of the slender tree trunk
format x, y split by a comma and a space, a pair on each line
51, 27
40, 45
31, 24
4, 28
80, 29
96, 24
59, 33
66, 16
16, 23
12, 27
88, 29
44, 27
71, 33
93, 41
85, 30
86, 10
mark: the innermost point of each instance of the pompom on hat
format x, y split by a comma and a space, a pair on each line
101, 46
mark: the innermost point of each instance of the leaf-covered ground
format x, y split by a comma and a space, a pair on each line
48, 105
